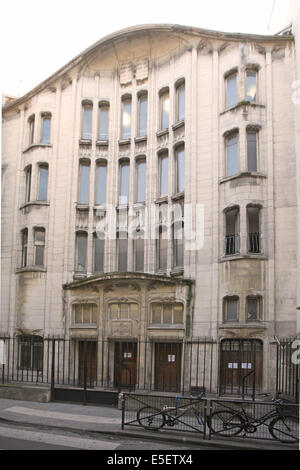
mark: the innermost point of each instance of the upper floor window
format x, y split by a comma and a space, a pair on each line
254, 232
81, 251
166, 313
124, 182
39, 246
180, 101
31, 122
232, 238
101, 172
142, 115
253, 308
164, 109
98, 255
103, 120
87, 112
231, 90
85, 314
179, 155
123, 311
43, 182
27, 183
138, 249
252, 145
232, 154
24, 236
122, 250
84, 177
141, 181
126, 118
45, 128
163, 174
230, 309
251, 86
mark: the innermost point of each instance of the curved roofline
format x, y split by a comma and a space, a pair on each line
175, 28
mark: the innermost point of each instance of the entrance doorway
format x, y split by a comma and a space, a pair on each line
168, 366
88, 363
125, 365
241, 366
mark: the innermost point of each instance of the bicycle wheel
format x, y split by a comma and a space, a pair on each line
225, 423
285, 428
150, 418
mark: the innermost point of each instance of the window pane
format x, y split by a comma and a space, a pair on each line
180, 170
124, 187
232, 155
178, 245
139, 254
87, 123
43, 183
165, 102
232, 312
167, 313
126, 120
181, 103
86, 313
123, 246
252, 307
39, 236
78, 314
163, 249
101, 184
251, 86
114, 311
31, 130
164, 176
252, 151
141, 181
27, 184
39, 255
178, 313
134, 311
124, 311
46, 130
81, 252
142, 131
231, 91
84, 184
98, 255
156, 313
24, 248
103, 124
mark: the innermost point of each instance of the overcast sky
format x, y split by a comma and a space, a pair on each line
38, 38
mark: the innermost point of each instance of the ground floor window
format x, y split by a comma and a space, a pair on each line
30, 352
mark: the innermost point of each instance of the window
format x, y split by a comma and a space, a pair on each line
139, 251
43, 182
124, 183
101, 171
45, 130
253, 219
84, 176
123, 311
81, 251
232, 244
232, 154
85, 314
162, 248
254, 308
179, 155
31, 121
178, 244
180, 102
164, 109
30, 352
231, 90
39, 246
252, 150
122, 250
98, 255
163, 174
24, 236
126, 118
27, 183
231, 306
141, 181
165, 313
103, 121
87, 111
142, 115
251, 86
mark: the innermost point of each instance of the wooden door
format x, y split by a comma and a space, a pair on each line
88, 360
125, 365
240, 366
168, 366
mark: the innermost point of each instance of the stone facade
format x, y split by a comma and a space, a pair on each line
37, 299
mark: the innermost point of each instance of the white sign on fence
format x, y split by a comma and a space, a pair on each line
2, 352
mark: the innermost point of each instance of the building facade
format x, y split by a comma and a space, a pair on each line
149, 210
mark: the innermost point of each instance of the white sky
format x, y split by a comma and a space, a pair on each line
38, 37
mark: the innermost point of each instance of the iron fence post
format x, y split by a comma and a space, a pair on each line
53, 370
123, 410
85, 373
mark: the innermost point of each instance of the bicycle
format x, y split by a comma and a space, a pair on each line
283, 427
152, 418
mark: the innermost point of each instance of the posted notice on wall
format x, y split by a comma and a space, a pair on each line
2, 353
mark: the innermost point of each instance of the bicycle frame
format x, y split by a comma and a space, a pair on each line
171, 420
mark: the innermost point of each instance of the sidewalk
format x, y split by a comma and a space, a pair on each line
107, 420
